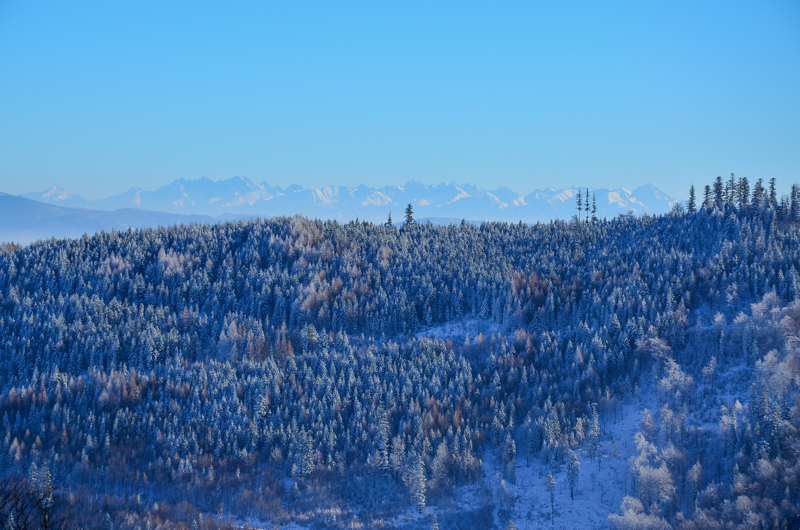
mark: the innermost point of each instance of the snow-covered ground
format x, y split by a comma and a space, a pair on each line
459, 329
601, 485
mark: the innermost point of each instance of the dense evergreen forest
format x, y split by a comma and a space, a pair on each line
279, 370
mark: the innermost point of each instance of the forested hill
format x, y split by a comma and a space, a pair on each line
270, 369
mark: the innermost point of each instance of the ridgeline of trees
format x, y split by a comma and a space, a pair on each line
270, 368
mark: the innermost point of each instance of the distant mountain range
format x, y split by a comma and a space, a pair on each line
239, 197
23, 220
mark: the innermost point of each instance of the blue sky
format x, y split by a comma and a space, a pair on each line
101, 96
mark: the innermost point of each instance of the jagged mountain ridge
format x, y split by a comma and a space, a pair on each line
239, 196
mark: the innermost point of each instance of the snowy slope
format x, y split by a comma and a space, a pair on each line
602, 482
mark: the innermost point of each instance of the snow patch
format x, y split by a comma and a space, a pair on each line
377, 199
462, 195
459, 329
563, 196
614, 198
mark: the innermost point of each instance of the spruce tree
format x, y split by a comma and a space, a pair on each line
587, 205
409, 214
772, 196
744, 192
730, 189
691, 204
758, 193
718, 192
580, 203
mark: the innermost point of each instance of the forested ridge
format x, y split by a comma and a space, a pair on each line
197, 376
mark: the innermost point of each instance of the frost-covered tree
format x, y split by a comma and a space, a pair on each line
550, 486
573, 471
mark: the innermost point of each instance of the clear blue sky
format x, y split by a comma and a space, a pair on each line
101, 96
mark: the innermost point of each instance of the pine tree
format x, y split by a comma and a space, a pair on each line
389, 221
707, 196
691, 204
511, 526
409, 214
550, 486
435, 523
573, 470
594, 209
580, 203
